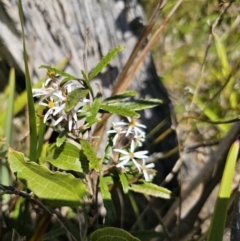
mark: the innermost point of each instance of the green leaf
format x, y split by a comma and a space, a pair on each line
30, 101
65, 80
61, 138
121, 96
65, 157
129, 108
112, 234
87, 82
221, 207
90, 153
141, 104
105, 61
5, 178
93, 110
147, 235
53, 234
152, 190
84, 162
108, 150
40, 140
124, 182
9, 113
119, 109
85, 77
56, 188
107, 200
75, 97
222, 54
60, 72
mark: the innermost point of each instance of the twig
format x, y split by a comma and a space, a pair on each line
136, 66
12, 190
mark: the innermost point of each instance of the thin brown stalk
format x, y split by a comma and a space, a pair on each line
139, 44
136, 66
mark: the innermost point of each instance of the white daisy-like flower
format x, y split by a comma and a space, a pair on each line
132, 127
45, 91
139, 138
53, 94
135, 127
70, 117
54, 106
117, 131
146, 169
131, 155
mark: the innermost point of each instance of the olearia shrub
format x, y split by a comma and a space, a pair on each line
69, 172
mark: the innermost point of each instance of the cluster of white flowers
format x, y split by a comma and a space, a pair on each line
54, 98
124, 129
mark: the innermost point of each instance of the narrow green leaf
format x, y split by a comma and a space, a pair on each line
119, 109
9, 113
93, 110
85, 76
220, 210
56, 188
87, 82
40, 140
112, 234
65, 80
90, 153
107, 200
226, 183
120, 96
65, 157
141, 104
222, 54
5, 177
60, 72
152, 190
53, 234
75, 97
124, 182
30, 102
105, 61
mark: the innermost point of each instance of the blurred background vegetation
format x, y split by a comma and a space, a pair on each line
198, 58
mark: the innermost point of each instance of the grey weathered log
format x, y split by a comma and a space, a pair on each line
55, 30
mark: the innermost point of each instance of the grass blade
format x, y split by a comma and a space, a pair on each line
30, 102
220, 211
9, 112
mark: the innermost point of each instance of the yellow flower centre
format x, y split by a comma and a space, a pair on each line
133, 122
51, 104
131, 154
